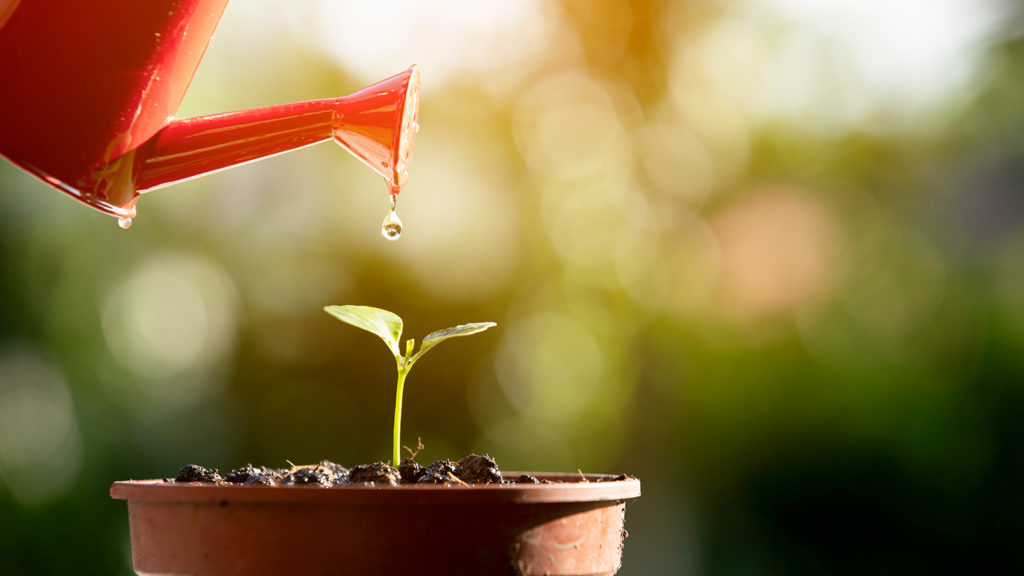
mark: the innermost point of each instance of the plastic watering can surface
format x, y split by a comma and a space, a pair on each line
90, 90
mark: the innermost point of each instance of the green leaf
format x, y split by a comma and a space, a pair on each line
385, 324
435, 338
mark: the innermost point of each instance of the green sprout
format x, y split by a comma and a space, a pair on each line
388, 326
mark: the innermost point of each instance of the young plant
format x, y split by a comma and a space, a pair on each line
388, 326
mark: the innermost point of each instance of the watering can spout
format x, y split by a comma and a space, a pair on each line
377, 124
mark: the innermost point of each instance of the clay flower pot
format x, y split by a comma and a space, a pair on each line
573, 526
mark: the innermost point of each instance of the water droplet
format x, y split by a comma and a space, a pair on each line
391, 228
124, 223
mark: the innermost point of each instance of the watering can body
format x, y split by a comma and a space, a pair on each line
90, 90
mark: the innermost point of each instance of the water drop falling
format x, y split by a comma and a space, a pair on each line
124, 223
391, 228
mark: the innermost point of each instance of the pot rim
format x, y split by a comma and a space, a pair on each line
568, 488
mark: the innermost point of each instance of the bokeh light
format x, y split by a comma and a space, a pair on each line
779, 249
40, 444
171, 322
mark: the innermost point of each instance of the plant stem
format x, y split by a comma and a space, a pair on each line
395, 454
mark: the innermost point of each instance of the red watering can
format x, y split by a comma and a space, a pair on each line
89, 89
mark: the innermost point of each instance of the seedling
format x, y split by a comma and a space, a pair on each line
388, 326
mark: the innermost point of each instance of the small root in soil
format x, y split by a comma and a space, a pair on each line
413, 453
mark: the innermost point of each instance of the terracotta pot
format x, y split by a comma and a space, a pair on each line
571, 527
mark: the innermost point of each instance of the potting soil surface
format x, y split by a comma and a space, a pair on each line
473, 469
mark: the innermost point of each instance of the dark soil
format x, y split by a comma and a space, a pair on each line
312, 475
473, 469
528, 479
250, 475
376, 473
440, 472
410, 470
193, 473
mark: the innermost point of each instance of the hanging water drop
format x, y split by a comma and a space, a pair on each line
391, 228
124, 223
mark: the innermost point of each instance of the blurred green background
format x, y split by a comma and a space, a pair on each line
767, 256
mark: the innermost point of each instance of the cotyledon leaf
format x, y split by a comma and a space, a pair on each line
387, 325
435, 338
